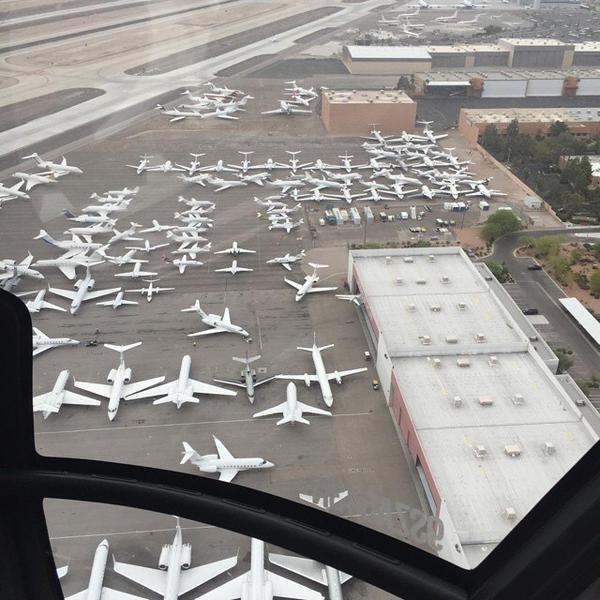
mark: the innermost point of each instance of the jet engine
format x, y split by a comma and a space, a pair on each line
127, 375
209, 469
77, 284
163, 559
111, 376
338, 377
90, 285
306, 379
186, 556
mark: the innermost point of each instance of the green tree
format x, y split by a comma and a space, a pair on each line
578, 174
557, 128
512, 129
499, 270
492, 141
527, 241
547, 245
562, 268
594, 280
596, 249
576, 255
500, 223
565, 362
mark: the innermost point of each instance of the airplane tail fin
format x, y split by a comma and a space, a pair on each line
293, 419
195, 308
122, 349
177, 399
68, 214
44, 235
188, 453
247, 360
317, 265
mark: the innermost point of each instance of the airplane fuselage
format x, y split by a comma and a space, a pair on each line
306, 286
174, 567
94, 591
321, 374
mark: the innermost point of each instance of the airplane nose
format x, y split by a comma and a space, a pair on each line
268, 464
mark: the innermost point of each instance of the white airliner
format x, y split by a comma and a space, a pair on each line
287, 259
38, 303
321, 376
95, 589
58, 169
137, 272
182, 389
41, 342
223, 463
173, 578
309, 281
248, 379
118, 382
150, 290
235, 249
23, 269
143, 164
233, 269
117, 301
147, 247
286, 108
217, 323
83, 291
315, 571
260, 584
14, 191
75, 243
50, 402
291, 409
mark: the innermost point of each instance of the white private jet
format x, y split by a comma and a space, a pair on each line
173, 578
194, 165
95, 589
260, 584
177, 114
182, 389
39, 303
67, 263
185, 238
225, 112
322, 183
10, 268
41, 342
482, 190
207, 205
235, 250
248, 379
143, 164
58, 169
245, 165
218, 167
225, 184
287, 259
118, 386
127, 235
137, 272
309, 281
14, 191
192, 250
150, 290
124, 259
117, 301
33, 179
217, 323
184, 262
286, 108
90, 230
75, 243
83, 292
233, 269
50, 402
89, 219
147, 247
288, 225
321, 376
166, 167
223, 463
291, 409
269, 204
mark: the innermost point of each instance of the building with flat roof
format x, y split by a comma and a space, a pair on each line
582, 122
488, 426
538, 53
353, 112
386, 60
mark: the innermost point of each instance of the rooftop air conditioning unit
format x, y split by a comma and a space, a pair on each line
518, 399
398, 280
512, 450
486, 400
463, 362
493, 361
445, 279
435, 308
451, 339
457, 401
462, 306
480, 338
411, 307
480, 451
510, 513
421, 281
408, 259
425, 340
388, 260
437, 363
549, 448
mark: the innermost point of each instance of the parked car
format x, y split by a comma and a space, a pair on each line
530, 311
535, 267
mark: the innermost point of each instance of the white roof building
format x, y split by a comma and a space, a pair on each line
486, 422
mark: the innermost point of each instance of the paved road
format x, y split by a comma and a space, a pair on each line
543, 293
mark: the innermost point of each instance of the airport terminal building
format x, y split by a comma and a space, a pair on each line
471, 389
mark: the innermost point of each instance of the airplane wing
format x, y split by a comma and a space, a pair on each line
100, 389
138, 386
192, 578
228, 591
159, 390
311, 378
41, 349
261, 381
286, 588
243, 251
292, 283
227, 117
345, 373
64, 293
286, 266
311, 569
227, 475
321, 289
52, 306
207, 332
226, 251
73, 398
226, 317
153, 579
305, 408
271, 411
62, 571
206, 388
301, 111
224, 454
230, 382
275, 111
100, 293
225, 270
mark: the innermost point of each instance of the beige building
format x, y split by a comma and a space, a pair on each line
584, 122
354, 112
386, 60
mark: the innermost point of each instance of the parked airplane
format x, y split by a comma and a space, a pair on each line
58, 169
8, 193
117, 301
469, 21
225, 112
33, 179
50, 402
194, 165
182, 389
184, 238
68, 263
482, 190
95, 589
137, 271
118, 386
22, 269
225, 184
286, 184
233, 269
151, 290
38, 303
192, 250
219, 167
75, 243
288, 225
287, 259
447, 19
41, 342
217, 323
147, 247
428, 133
166, 167
321, 376
248, 379
143, 164
291, 409
89, 219
286, 108
90, 230
315, 571
127, 235
124, 259
223, 463
260, 584
309, 282
173, 578
269, 203
177, 114
321, 183
234, 250
245, 162
83, 291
